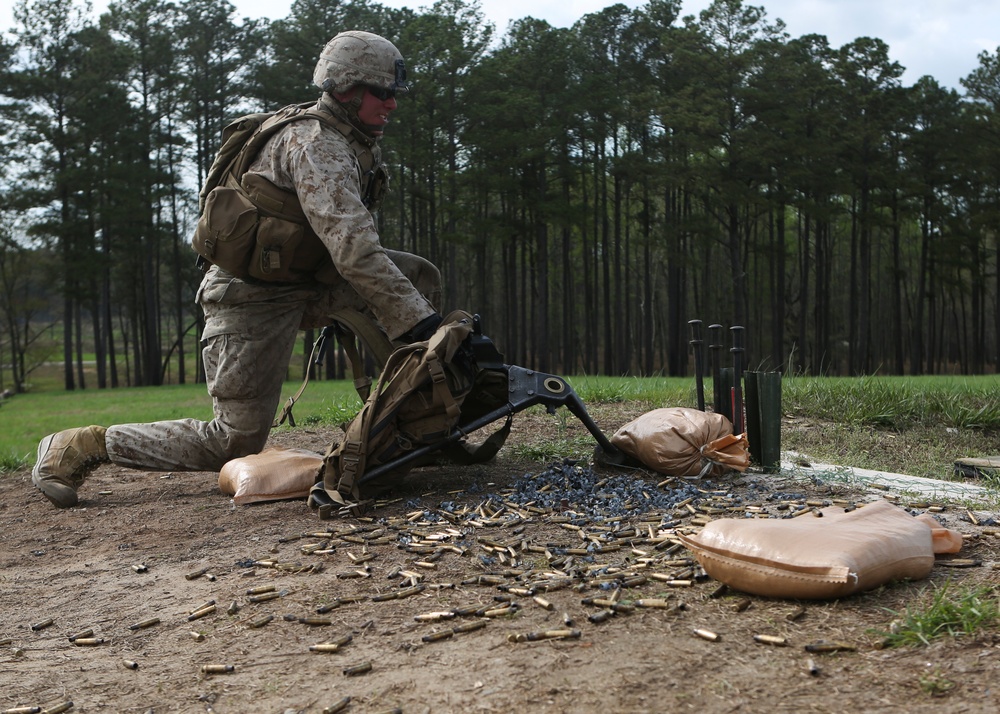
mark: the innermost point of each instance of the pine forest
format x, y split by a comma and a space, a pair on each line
587, 190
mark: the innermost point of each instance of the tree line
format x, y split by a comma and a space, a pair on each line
588, 190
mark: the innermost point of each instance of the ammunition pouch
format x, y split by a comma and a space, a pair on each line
227, 230
258, 231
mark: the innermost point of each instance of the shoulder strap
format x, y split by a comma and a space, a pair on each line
356, 326
271, 125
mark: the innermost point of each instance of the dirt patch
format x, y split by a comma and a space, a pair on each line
151, 545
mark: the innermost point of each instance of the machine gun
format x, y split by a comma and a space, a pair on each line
525, 388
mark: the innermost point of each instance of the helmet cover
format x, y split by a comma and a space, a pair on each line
355, 57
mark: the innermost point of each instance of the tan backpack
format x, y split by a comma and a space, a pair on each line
417, 401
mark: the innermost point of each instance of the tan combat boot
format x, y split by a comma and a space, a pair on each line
64, 460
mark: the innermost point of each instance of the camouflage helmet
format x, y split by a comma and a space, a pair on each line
356, 57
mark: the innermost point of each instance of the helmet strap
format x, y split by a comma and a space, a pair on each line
349, 111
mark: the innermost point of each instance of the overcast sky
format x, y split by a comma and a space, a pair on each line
942, 38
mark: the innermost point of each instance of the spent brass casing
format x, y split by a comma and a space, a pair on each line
719, 591
264, 597
356, 669
543, 603
315, 621
324, 647
261, 621
959, 563
337, 706
130, 664
825, 647
217, 669
58, 708
22, 710
771, 640
145, 623
407, 592
654, 603
470, 626
436, 636
261, 589
323, 609
567, 634
812, 667
88, 641
500, 611
742, 605
234, 608
483, 580
466, 610
669, 546
601, 616
523, 592
198, 614
140, 568
707, 635
196, 574
197, 636
201, 607
434, 616
48, 622
597, 601
796, 614
89, 632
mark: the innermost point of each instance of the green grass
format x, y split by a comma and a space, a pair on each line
931, 419
897, 402
26, 418
952, 612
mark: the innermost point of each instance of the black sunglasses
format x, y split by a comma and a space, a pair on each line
380, 93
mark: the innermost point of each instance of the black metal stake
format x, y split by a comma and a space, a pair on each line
699, 361
737, 393
715, 347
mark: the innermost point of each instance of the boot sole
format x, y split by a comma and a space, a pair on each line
60, 495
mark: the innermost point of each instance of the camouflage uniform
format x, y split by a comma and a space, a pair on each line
251, 327
330, 167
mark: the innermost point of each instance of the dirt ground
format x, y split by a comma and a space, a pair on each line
152, 545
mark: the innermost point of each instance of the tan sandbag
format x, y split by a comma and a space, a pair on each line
943, 540
275, 474
678, 441
812, 558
